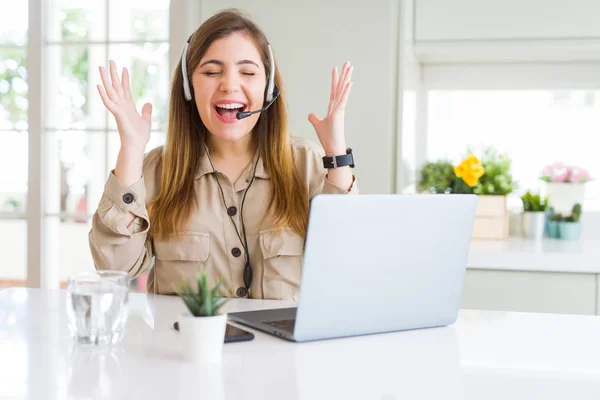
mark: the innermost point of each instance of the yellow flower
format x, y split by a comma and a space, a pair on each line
470, 170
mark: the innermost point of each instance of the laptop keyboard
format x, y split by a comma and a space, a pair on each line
284, 324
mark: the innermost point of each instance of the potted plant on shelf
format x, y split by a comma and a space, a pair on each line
553, 219
202, 331
570, 227
437, 177
492, 188
565, 185
534, 215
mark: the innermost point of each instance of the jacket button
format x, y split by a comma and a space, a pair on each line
241, 292
236, 252
231, 211
127, 198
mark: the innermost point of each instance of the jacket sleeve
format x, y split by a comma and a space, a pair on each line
113, 245
309, 160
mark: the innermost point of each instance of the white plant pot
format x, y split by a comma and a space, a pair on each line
534, 224
564, 195
202, 338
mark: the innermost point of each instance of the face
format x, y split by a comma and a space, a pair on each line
229, 78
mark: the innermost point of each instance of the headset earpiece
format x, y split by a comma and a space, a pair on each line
271, 83
186, 83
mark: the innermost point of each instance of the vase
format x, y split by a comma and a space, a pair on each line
564, 195
533, 225
202, 338
569, 230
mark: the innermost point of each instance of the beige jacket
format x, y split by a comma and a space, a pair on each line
210, 240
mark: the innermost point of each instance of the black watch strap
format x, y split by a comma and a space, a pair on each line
339, 161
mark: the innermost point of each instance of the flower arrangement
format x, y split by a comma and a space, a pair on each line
560, 172
489, 175
469, 170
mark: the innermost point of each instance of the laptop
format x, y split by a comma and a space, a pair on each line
376, 264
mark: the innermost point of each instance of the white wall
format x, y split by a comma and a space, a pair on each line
310, 37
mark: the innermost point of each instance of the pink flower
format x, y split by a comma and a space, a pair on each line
560, 172
579, 175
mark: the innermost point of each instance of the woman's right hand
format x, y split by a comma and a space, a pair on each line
134, 129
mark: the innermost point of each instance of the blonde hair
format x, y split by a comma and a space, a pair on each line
186, 133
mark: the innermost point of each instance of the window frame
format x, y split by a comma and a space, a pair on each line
42, 258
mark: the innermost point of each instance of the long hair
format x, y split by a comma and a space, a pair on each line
186, 134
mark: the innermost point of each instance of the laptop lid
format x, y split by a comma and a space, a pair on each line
382, 263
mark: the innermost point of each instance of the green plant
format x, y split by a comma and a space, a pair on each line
205, 302
575, 214
534, 202
497, 179
436, 177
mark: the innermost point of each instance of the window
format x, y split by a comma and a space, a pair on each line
535, 127
13, 141
80, 139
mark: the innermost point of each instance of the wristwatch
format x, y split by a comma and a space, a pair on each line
339, 161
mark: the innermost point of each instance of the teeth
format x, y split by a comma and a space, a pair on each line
231, 106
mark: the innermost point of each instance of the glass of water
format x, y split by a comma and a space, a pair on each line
97, 306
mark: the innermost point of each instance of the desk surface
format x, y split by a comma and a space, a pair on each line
484, 355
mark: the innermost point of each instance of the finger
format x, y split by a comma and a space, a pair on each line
105, 100
313, 119
114, 76
330, 106
125, 84
343, 80
345, 95
107, 85
334, 79
147, 111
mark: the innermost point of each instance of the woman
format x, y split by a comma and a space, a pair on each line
225, 194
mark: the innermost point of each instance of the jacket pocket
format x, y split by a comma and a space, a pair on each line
282, 252
189, 246
180, 258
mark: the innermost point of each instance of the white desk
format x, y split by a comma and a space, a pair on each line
485, 355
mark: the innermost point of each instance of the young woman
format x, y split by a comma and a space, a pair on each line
229, 192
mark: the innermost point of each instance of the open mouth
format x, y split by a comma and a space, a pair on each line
228, 111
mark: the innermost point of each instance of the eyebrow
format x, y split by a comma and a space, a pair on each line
221, 64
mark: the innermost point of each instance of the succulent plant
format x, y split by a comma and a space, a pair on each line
205, 301
534, 202
575, 214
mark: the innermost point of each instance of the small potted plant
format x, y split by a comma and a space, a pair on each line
534, 215
203, 329
570, 227
565, 184
554, 219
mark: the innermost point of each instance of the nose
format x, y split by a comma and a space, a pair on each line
229, 82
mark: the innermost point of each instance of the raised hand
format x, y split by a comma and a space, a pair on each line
330, 129
134, 129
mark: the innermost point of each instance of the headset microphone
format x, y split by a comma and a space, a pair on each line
244, 114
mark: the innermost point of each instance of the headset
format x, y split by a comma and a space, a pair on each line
271, 94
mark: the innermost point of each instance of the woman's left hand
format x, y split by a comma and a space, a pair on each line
330, 129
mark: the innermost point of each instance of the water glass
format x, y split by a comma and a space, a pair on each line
97, 306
